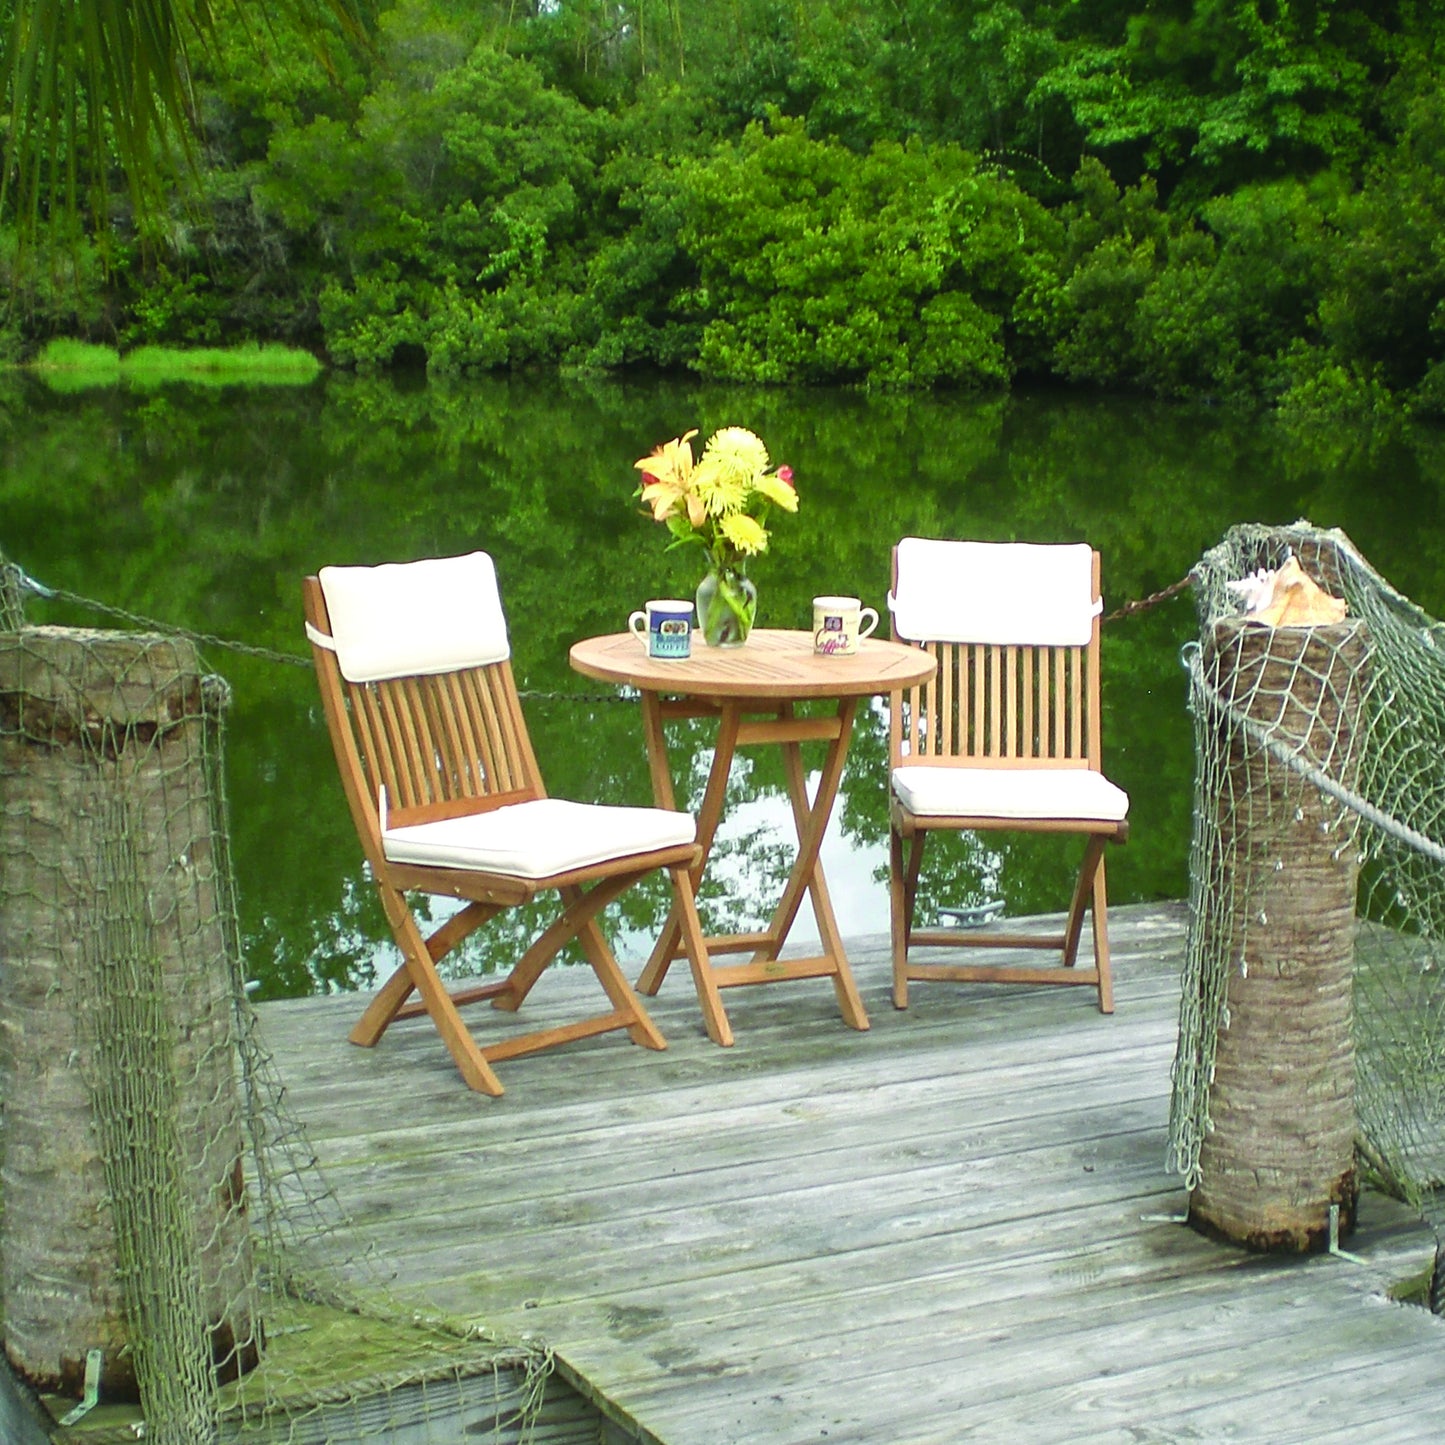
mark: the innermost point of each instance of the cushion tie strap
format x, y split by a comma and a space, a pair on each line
1094, 611
320, 638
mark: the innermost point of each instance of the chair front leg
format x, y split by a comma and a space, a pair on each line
397, 989
419, 972
903, 874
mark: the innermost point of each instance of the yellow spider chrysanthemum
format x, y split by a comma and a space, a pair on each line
732, 461
738, 449
743, 532
723, 491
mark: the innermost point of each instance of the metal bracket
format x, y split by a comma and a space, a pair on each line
1335, 1239
92, 1389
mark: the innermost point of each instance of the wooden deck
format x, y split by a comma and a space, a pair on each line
958, 1225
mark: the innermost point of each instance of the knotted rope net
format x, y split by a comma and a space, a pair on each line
170, 1247
1319, 837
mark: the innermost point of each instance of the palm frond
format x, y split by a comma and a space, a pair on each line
90, 87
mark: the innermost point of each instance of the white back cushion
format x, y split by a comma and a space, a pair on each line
1007, 593
408, 618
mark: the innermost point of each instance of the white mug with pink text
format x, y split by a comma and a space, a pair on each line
839, 623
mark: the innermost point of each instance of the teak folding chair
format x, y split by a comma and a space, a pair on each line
1005, 735
416, 680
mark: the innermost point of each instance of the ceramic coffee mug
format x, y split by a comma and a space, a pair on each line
838, 623
665, 626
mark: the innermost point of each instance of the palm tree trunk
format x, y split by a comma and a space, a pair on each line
1279, 1151
124, 1227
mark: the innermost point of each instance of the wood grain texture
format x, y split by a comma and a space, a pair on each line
773, 663
955, 1226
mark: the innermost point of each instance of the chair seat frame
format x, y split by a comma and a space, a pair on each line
399, 735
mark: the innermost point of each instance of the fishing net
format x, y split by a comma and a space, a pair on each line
1319, 841
171, 1253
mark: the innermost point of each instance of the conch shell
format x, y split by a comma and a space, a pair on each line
1288, 597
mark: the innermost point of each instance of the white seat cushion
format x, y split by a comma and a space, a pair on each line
539, 838
1076, 794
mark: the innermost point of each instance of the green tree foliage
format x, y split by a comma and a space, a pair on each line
1214, 198
1211, 94
907, 266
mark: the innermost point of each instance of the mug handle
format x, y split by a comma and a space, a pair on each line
639, 632
872, 615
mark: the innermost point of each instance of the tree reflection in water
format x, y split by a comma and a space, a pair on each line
204, 509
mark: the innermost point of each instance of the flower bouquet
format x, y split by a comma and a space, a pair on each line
721, 503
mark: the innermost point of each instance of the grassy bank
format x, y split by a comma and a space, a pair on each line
79, 365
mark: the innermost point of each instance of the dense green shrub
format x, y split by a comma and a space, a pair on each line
905, 266
1224, 200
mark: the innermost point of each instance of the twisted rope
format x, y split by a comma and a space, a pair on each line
139, 620
19, 583
1144, 604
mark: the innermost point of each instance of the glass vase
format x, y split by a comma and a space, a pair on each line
727, 603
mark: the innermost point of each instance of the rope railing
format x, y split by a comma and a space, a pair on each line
1291, 757
16, 584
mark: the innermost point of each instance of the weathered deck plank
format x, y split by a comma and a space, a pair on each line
952, 1226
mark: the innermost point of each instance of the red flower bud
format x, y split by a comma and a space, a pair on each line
785, 474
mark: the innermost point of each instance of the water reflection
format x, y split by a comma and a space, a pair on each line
205, 510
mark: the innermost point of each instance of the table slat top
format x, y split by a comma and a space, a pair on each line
772, 663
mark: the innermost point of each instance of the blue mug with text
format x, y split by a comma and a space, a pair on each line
665, 625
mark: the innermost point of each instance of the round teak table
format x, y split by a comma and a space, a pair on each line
752, 690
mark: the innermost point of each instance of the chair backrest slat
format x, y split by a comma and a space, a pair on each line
368, 715
1030, 655
470, 740
1008, 703
1076, 706
1059, 703
484, 725
514, 756
946, 708
1011, 741
995, 702
435, 741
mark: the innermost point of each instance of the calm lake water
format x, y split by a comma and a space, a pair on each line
204, 508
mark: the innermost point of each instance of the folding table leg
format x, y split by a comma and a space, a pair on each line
667, 947
811, 822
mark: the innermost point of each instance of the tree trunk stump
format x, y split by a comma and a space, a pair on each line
124, 1226
1279, 1151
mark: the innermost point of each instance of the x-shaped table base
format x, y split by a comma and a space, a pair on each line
744, 721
